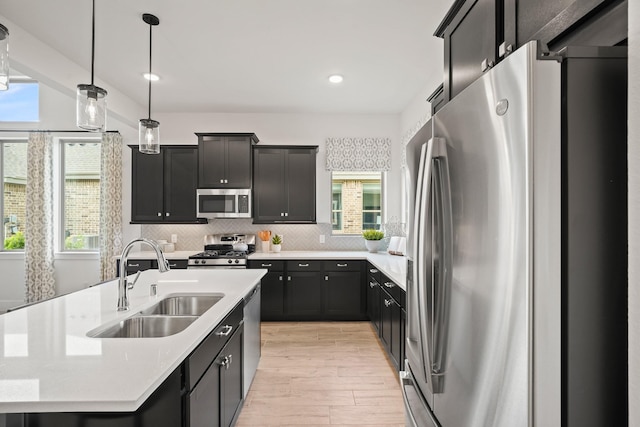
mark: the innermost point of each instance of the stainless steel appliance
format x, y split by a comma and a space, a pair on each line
224, 251
252, 336
516, 278
223, 203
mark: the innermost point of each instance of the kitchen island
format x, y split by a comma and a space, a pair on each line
48, 363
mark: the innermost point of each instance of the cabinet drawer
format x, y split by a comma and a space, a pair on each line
393, 289
198, 362
268, 264
351, 265
135, 265
304, 265
373, 273
178, 263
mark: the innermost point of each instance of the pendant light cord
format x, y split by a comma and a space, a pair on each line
93, 38
150, 38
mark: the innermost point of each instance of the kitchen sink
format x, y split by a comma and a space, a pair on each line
141, 326
184, 305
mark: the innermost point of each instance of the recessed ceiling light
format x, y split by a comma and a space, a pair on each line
152, 77
336, 78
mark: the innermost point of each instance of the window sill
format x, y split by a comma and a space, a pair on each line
69, 255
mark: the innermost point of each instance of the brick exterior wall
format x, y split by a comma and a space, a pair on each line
82, 209
352, 207
15, 196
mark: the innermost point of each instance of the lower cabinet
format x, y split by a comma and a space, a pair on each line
135, 265
312, 290
386, 309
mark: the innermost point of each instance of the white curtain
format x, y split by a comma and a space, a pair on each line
358, 154
110, 204
39, 245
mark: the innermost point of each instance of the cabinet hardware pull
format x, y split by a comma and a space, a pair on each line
280, 278
226, 181
389, 284
133, 265
266, 265
303, 265
373, 270
342, 265
227, 331
326, 278
222, 181
174, 265
387, 302
226, 361
286, 214
289, 278
372, 285
159, 213
168, 214
281, 213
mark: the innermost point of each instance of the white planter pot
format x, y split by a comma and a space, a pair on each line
372, 245
276, 248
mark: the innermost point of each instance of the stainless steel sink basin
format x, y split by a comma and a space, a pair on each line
140, 326
184, 305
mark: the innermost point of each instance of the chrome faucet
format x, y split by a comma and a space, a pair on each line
123, 286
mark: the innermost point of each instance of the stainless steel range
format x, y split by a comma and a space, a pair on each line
224, 251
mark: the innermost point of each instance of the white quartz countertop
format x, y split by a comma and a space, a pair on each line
48, 364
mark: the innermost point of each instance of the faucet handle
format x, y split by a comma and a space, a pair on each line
130, 285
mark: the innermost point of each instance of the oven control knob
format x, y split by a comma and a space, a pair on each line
229, 261
195, 261
237, 261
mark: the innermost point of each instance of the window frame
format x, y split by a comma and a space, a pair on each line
60, 195
3, 141
383, 188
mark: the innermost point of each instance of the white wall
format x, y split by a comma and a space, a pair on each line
634, 214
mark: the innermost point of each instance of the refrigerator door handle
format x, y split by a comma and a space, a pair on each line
442, 262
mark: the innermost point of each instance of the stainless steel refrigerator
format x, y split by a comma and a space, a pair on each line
516, 287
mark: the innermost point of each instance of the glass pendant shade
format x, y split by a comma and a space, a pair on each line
4, 58
91, 108
149, 136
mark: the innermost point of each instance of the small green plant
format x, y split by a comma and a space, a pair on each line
74, 242
276, 239
372, 234
15, 242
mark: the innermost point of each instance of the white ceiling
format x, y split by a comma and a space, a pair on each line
250, 55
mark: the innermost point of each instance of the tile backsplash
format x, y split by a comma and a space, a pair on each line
296, 237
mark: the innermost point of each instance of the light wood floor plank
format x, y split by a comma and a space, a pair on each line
323, 374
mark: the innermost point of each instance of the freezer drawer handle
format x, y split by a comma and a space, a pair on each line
227, 330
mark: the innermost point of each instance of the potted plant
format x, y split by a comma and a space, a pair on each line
372, 239
276, 243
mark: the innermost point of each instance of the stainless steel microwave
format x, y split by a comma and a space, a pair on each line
223, 203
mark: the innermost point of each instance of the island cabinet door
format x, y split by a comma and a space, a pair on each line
231, 369
203, 408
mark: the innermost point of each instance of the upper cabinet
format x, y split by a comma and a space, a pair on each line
284, 184
163, 186
224, 159
479, 33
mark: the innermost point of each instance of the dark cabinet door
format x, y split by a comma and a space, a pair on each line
230, 360
386, 319
301, 185
284, 184
272, 303
203, 409
344, 295
224, 160
396, 329
147, 187
181, 180
304, 295
269, 198
211, 161
470, 43
238, 167
373, 303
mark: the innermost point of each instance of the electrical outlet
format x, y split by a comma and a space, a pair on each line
174, 238
322, 238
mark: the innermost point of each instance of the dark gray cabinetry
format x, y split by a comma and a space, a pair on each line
312, 290
272, 302
344, 298
213, 375
163, 188
304, 290
284, 184
135, 265
479, 33
386, 309
224, 159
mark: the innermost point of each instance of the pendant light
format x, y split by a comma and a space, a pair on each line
149, 129
91, 103
4, 58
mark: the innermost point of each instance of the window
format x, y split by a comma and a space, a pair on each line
356, 203
13, 167
80, 195
21, 103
